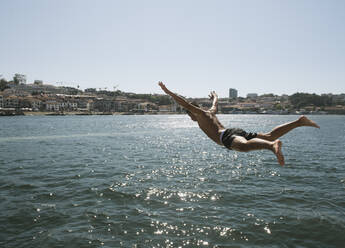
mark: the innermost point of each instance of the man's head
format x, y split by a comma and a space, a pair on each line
191, 115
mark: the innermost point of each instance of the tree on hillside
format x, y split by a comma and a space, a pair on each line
268, 95
3, 84
16, 80
157, 99
300, 100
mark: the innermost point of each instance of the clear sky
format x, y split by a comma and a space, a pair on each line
194, 46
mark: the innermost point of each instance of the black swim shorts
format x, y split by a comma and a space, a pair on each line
230, 133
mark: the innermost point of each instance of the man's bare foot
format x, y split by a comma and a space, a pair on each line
277, 149
304, 121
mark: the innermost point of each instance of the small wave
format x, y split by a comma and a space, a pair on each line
81, 135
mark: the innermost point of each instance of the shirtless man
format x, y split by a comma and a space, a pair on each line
235, 138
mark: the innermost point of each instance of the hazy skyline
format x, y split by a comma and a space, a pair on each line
266, 46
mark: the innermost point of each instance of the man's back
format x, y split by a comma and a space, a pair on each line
209, 123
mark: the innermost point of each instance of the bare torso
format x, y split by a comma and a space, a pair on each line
209, 123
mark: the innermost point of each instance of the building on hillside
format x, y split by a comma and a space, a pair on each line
82, 104
249, 105
1, 101
90, 90
11, 102
69, 90
105, 105
36, 104
38, 82
24, 102
284, 97
338, 99
147, 106
38, 88
167, 108
252, 95
53, 105
15, 92
68, 105
233, 93
127, 105
175, 106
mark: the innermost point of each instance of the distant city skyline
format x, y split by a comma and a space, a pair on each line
232, 93
279, 47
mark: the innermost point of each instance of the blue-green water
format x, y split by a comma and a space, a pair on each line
158, 181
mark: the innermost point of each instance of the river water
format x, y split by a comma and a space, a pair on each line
158, 181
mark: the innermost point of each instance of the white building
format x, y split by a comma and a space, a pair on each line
68, 105
36, 104
53, 106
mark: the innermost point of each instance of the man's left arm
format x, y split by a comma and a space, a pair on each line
214, 97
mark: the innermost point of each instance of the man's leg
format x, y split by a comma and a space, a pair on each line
279, 131
241, 144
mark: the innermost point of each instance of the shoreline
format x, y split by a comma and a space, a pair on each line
27, 113
73, 113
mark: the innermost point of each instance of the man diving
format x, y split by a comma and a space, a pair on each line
236, 138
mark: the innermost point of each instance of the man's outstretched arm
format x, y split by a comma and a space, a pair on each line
214, 97
180, 100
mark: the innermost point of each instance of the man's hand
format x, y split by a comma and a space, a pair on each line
213, 95
163, 87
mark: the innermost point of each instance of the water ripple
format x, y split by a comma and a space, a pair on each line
157, 181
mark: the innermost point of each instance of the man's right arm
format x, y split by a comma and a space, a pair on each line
180, 100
